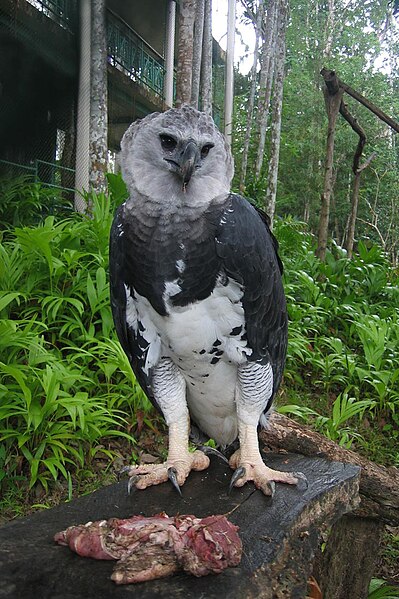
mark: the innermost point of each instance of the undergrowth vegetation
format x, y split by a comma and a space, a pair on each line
66, 388
65, 383
343, 336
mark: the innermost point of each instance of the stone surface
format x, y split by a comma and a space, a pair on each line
279, 535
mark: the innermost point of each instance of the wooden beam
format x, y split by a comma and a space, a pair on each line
379, 486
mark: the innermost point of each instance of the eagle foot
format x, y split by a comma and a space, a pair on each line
174, 469
264, 478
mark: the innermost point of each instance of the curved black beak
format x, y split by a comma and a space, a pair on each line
190, 157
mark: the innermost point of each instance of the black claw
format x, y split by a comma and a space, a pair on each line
212, 451
302, 483
172, 476
237, 474
123, 471
272, 486
131, 484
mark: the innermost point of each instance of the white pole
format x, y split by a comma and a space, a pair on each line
229, 83
82, 164
170, 52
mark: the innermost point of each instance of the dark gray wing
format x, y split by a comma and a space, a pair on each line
249, 255
133, 344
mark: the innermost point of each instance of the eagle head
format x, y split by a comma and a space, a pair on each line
177, 156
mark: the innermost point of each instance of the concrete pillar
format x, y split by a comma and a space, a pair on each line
170, 51
98, 99
82, 164
229, 82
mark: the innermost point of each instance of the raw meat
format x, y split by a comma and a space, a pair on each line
149, 548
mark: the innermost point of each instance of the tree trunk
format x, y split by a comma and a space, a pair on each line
333, 102
271, 189
185, 52
251, 99
379, 486
329, 31
206, 63
350, 558
99, 99
357, 170
350, 238
197, 51
266, 81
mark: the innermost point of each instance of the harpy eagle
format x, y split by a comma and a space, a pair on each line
197, 296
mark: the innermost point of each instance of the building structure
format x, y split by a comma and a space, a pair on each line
40, 60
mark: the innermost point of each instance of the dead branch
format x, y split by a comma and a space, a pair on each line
333, 84
367, 162
343, 109
379, 486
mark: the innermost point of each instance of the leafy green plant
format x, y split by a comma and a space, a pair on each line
379, 589
65, 384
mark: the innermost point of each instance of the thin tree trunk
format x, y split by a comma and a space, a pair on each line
354, 206
330, 23
350, 238
251, 99
271, 189
266, 81
99, 99
333, 102
357, 171
206, 63
197, 51
185, 52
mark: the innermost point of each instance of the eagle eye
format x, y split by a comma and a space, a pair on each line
205, 150
168, 142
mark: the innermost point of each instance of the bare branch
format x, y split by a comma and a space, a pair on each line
332, 82
367, 162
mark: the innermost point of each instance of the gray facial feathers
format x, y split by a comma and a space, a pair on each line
152, 151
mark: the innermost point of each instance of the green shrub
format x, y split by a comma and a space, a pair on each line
65, 383
343, 330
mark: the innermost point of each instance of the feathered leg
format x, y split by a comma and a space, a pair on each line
254, 388
169, 389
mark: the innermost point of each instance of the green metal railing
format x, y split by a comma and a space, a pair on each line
128, 52
49, 174
63, 12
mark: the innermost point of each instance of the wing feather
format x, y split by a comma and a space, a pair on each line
248, 251
131, 338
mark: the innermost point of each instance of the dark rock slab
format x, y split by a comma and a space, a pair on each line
279, 536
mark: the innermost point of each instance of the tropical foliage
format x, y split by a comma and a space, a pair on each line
360, 42
65, 383
344, 333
